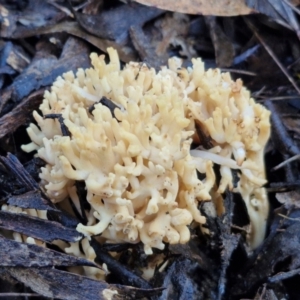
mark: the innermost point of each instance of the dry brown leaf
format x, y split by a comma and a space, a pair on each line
289, 199
292, 123
174, 30
224, 49
202, 7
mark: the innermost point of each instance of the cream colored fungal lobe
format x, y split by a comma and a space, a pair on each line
108, 294
139, 172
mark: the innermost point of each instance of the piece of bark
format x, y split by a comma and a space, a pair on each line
16, 254
11, 121
62, 285
14, 166
43, 230
32, 199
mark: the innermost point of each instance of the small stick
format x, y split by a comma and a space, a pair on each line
281, 187
64, 129
279, 98
108, 103
284, 163
273, 55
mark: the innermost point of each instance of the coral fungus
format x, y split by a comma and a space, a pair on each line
133, 150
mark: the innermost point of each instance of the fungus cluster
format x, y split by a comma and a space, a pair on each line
134, 155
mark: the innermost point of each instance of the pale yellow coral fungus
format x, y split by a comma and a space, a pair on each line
140, 175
